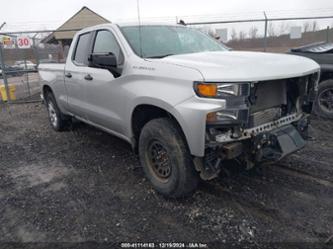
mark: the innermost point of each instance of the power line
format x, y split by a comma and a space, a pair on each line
262, 20
254, 16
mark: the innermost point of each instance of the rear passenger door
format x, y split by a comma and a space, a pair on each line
75, 75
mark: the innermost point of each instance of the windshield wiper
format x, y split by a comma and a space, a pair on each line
159, 56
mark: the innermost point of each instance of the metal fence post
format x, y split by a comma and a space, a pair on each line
4, 76
35, 50
26, 72
265, 36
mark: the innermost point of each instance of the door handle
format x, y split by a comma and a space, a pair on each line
88, 77
68, 75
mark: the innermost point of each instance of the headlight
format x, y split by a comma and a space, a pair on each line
221, 90
227, 117
214, 117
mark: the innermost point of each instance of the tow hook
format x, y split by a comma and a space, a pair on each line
265, 148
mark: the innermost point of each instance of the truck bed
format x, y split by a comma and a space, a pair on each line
51, 67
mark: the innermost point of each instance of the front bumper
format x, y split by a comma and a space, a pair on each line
264, 144
251, 132
269, 142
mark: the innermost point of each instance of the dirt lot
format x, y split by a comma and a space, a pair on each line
86, 185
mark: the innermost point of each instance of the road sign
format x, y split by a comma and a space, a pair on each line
296, 32
24, 42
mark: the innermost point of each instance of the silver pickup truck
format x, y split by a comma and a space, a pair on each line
182, 100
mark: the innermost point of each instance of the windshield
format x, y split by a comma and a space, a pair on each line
162, 41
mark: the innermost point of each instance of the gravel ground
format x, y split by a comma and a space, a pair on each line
85, 185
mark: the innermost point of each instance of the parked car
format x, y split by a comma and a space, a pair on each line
25, 65
10, 71
322, 53
182, 100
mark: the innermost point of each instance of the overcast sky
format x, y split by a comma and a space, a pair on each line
25, 15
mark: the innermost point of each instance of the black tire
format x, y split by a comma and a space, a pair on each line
171, 172
321, 108
58, 121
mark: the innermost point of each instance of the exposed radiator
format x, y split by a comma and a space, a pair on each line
265, 116
269, 94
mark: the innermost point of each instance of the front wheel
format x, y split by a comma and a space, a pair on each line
166, 160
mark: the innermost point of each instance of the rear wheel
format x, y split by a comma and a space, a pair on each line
324, 100
58, 120
166, 160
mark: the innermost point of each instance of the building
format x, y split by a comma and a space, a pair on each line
85, 17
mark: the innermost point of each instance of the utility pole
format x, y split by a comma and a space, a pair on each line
265, 37
328, 34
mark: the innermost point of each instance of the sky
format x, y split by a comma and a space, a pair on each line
45, 14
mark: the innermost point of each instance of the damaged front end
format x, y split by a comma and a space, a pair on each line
262, 122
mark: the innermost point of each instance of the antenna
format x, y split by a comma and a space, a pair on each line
140, 31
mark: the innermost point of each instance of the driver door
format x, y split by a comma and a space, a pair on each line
103, 89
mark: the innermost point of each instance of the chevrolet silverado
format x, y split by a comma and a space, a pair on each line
183, 101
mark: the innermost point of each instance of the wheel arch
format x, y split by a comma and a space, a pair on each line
325, 76
46, 89
139, 118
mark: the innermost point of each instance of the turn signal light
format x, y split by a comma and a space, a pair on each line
221, 90
207, 90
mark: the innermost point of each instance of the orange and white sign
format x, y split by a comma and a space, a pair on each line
7, 42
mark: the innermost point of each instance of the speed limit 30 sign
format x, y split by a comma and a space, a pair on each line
24, 42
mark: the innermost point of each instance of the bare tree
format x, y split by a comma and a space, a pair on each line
242, 35
233, 34
306, 27
284, 28
271, 30
253, 33
314, 26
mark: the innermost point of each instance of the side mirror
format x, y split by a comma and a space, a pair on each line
106, 61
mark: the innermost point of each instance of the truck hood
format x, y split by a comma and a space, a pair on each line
244, 66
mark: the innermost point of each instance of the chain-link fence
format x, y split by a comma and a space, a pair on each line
21, 52
20, 55
269, 34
